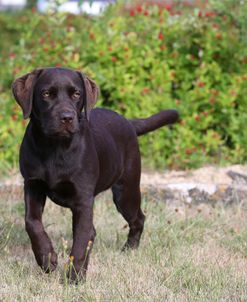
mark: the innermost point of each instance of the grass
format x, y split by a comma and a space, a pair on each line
187, 253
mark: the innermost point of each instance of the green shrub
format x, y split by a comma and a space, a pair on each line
146, 58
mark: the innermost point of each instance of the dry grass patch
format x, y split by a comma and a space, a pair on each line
186, 254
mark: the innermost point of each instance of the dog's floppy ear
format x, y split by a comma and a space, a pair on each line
22, 89
90, 94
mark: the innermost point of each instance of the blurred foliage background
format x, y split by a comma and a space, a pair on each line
145, 56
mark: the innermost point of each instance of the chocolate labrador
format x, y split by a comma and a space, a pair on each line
70, 153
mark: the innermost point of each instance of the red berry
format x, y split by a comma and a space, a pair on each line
163, 47
139, 8
42, 40
188, 151
132, 13
168, 7
14, 117
212, 100
161, 36
11, 55
216, 26
145, 90
197, 118
201, 84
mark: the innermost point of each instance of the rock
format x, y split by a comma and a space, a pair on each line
237, 177
205, 185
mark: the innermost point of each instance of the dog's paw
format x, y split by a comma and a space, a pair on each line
48, 262
76, 276
130, 245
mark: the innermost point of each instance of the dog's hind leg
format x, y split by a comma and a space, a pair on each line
127, 198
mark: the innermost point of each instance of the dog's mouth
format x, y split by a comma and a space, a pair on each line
61, 134
66, 133
61, 130
68, 128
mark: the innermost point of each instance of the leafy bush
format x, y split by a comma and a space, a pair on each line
146, 58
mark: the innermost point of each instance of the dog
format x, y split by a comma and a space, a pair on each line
71, 152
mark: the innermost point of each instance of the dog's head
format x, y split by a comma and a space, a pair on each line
55, 97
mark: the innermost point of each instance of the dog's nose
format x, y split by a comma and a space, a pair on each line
67, 117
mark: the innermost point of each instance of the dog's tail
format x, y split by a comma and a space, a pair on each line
164, 117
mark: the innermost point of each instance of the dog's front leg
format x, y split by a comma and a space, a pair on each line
41, 243
83, 237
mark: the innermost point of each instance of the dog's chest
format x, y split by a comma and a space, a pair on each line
63, 193
60, 183
58, 168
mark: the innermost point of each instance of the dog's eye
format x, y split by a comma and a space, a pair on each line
76, 94
46, 94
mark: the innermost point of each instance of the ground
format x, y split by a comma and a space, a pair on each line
189, 252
